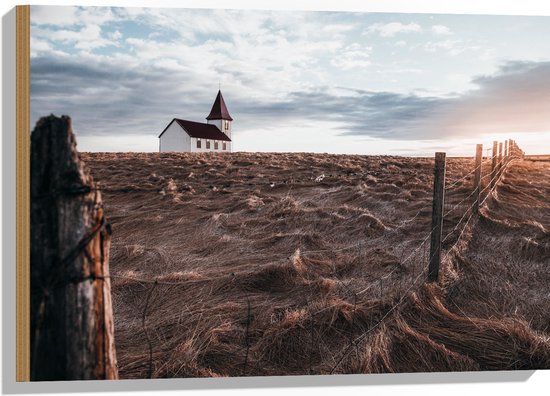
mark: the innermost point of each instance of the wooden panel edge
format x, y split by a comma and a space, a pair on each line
22, 348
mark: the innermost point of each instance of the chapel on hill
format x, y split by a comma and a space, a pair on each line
197, 137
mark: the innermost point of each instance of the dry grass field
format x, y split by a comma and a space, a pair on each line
295, 264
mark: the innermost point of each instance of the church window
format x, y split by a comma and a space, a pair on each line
215, 145
208, 144
224, 146
198, 143
226, 125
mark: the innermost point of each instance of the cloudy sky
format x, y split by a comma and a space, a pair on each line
340, 82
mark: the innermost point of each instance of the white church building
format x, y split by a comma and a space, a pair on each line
197, 137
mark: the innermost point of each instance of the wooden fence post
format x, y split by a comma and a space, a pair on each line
506, 149
437, 217
72, 330
477, 176
500, 167
494, 164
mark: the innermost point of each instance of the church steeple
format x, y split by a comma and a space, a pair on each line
219, 115
219, 109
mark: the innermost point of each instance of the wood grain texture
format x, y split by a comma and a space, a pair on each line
22, 15
72, 331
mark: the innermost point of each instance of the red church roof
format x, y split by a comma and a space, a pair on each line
199, 130
219, 109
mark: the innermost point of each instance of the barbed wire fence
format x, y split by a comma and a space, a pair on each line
463, 196
466, 195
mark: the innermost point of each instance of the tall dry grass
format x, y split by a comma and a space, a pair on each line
262, 270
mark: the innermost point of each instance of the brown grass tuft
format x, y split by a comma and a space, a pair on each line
320, 264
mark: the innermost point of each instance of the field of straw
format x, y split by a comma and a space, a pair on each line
252, 264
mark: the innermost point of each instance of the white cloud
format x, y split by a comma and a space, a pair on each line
452, 47
41, 47
116, 35
393, 28
441, 30
38, 46
63, 16
80, 27
97, 15
337, 28
262, 52
53, 15
352, 56
86, 38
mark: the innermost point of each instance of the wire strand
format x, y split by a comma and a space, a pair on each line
454, 183
460, 203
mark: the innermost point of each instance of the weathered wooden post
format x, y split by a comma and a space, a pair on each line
494, 165
477, 177
437, 217
500, 165
72, 331
506, 149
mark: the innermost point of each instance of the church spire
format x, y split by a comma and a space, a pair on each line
219, 109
